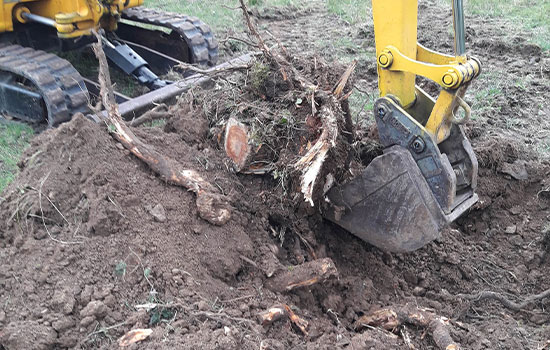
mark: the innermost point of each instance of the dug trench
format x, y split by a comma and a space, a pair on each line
94, 244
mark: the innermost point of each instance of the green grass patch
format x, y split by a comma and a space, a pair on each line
353, 11
525, 16
484, 93
14, 138
529, 15
221, 15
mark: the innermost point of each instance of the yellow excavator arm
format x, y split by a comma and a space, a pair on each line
401, 59
427, 176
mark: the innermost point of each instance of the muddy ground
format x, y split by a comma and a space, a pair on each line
90, 236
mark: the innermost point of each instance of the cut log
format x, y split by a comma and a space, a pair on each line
236, 143
304, 275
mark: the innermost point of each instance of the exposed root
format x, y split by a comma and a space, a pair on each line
392, 319
325, 105
488, 295
40, 195
280, 312
304, 275
311, 164
271, 315
211, 206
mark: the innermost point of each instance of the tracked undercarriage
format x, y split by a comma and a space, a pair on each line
38, 87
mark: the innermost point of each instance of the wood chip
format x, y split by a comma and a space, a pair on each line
134, 336
236, 143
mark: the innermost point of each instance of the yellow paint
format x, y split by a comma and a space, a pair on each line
439, 123
73, 18
400, 59
395, 24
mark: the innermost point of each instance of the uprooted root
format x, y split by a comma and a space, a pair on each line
212, 207
279, 312
159, 112
488, 295
330, 147
392, 319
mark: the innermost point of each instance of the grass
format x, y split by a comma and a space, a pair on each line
484, 93
14, 138
529, 16
221, 15
353, 11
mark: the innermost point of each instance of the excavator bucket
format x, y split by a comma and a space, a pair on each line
405, 197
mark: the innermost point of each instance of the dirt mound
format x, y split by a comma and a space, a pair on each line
96, 226
92, 239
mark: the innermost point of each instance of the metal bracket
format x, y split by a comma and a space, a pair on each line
450, 169
132, 64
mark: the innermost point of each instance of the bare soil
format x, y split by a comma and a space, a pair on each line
89, 235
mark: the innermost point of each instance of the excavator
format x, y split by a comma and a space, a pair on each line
424, 180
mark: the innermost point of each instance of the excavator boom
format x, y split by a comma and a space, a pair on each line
427, 176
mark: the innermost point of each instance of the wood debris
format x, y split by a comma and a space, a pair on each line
392, 319
304, 275
236, 143
280, 312
134, 336
334, 142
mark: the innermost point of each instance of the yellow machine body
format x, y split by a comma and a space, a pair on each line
143, 43
72, 18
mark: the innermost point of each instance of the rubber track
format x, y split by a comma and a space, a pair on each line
198, 35
57, 81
